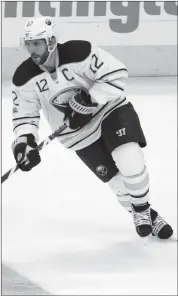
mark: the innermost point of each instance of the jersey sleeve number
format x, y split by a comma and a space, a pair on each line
42, 85
95, 64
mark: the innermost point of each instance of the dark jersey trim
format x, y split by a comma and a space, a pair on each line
26, 71
115, 85
25, 118
109, 73
23, 124
73, 51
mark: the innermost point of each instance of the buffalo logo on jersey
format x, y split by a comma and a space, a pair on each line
61, 99
101, 170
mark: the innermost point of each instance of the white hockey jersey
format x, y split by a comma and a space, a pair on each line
81, 66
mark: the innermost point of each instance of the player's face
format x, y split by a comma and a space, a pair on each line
38, 50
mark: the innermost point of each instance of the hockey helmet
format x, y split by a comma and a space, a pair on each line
39, 28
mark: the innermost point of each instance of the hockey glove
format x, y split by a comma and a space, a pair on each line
80, 110
24, 151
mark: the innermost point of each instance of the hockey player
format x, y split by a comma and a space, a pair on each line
83, 85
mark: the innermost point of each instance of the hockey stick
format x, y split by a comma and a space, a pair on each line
39, 147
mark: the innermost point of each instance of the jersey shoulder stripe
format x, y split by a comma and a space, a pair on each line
26, 71
73, 51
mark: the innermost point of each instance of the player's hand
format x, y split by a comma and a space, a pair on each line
79, 111
24, 151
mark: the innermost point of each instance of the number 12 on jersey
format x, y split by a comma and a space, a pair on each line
95, 63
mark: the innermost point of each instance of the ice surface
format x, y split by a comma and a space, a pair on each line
63, 228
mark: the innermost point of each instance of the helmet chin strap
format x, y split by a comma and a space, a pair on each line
50, 53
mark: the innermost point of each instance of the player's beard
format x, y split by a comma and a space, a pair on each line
40, 59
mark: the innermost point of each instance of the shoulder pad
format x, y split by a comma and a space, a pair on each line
26, 71
73, 51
